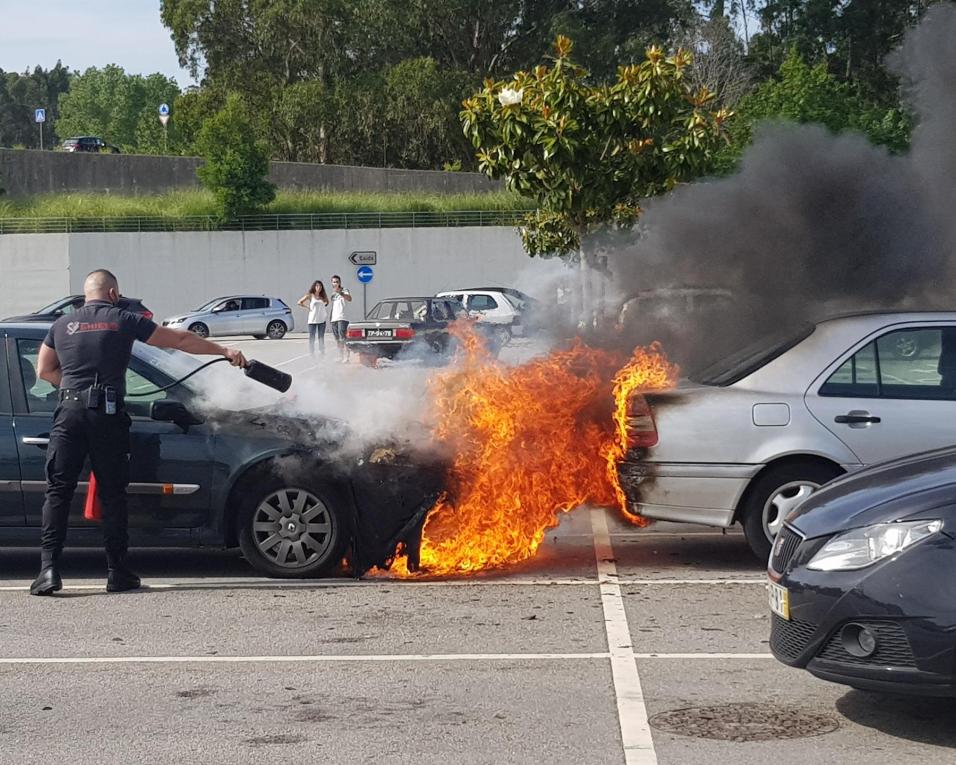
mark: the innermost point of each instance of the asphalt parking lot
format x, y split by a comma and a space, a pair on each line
614, 645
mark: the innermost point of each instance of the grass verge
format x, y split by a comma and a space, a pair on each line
181, 204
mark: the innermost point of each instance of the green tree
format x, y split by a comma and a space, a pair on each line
587, 155
804, 93
421, 114
853, 37
20, 95
236, 163
119, 107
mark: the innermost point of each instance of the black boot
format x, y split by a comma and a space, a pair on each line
121, 579
47, 582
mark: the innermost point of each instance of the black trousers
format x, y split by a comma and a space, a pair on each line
79, 432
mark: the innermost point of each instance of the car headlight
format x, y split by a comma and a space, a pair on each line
863, 547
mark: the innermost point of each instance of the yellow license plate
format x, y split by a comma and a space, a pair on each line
779, 600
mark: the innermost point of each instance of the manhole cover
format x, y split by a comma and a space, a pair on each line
744, 722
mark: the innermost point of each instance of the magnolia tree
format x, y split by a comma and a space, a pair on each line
587, 154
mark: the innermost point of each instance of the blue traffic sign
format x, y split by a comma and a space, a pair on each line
164, 109
364, 274
39, 115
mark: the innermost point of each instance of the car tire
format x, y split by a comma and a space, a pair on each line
198, 328
286, 544
772, 495
502, 335
276, 329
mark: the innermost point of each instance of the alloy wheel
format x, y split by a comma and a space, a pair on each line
293, 528
782, 501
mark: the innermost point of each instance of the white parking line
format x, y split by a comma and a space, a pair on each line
239, 584
631, 708
369, 658
332, 658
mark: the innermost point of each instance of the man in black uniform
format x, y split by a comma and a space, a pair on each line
85, 355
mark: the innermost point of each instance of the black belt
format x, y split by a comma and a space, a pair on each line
78, 398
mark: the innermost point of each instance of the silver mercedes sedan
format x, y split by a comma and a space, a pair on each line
748, 439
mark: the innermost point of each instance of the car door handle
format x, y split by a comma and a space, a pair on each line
35, 441
855, 419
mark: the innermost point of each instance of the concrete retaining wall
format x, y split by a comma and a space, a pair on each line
27, 172
175, 271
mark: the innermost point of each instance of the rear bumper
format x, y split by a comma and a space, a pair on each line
706, 493
387, 350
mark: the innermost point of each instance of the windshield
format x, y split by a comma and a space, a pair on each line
737, 366
58, 305
208, 306
172, 363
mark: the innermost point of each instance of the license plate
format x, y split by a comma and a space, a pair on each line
779, 600
378, 333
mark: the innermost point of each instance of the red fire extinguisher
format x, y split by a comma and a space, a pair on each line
92, 510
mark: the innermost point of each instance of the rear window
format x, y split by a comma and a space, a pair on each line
254, 303
745, 362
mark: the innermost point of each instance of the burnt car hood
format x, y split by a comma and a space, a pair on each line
911, 487
392, 484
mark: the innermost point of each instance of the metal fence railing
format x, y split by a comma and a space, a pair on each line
306, 221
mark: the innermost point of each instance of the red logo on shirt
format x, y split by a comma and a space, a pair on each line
91, 326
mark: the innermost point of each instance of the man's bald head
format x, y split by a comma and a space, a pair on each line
101, 285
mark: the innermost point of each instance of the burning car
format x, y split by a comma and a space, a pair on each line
848, 579
750, 438
273, 485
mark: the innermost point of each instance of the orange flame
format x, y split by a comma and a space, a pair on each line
648, 369
531, 441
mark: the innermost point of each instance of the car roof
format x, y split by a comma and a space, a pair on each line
36, 326
483, 289
901, 314
390, 299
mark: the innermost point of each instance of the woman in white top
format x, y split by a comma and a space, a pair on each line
317, 302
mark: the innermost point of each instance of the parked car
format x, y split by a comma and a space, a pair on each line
89, 143
268, 483
862, 579
68, 305
673, 303
510, 310
748, 439
255, 315
405, 326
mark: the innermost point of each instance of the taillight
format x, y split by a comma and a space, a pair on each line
148, 314
641, 428
354, 334
404, 333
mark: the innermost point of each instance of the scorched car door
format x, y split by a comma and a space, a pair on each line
11, 500
894, 395
170, 471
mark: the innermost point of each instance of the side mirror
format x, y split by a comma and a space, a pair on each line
173, 411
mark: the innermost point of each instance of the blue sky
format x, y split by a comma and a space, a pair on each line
85, 33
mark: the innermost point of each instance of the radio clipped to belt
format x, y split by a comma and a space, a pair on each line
105, 395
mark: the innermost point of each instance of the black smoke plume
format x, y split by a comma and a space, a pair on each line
812, 224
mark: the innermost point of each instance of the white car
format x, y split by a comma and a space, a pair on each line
748, 439
510, 309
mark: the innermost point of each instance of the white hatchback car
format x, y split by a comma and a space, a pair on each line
751, 437
509, 309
